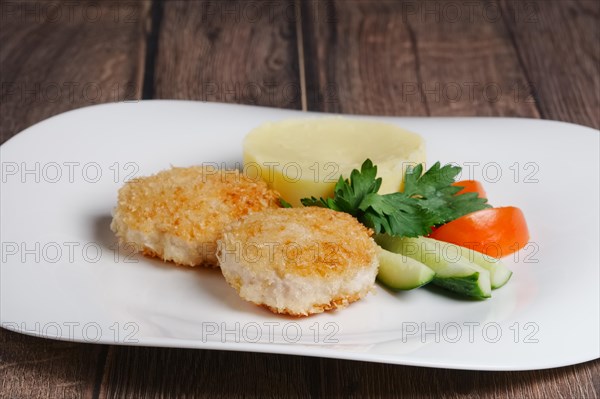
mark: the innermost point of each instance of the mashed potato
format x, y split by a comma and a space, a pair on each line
305, 157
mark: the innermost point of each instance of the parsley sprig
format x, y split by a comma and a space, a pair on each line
428, 199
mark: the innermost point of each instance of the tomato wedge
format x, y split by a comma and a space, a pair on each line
496, 232
470, 186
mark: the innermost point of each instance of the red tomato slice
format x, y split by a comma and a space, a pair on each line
470, 186
496, 232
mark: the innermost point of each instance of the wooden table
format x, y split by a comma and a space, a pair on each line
537, 59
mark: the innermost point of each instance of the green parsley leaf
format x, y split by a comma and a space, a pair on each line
436, 194
348, 194
423, 184
428, 199
395, 214
284, 203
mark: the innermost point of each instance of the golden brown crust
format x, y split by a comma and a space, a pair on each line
299, 261
303, 241
183, 208
189, 202
336, 303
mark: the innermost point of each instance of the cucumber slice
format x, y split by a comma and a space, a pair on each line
465, 280
400, 272
499, 273
453, 271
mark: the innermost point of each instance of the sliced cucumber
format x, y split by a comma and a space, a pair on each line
465, 280
401, 272
499, 273
453, 271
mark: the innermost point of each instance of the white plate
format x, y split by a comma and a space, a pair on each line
61, 278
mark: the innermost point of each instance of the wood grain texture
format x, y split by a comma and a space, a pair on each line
467, 63
157, 372
440, 58
359, 58
351, 379
39, 368
60, 55
557, 42
234, 51
54, 57
181, 373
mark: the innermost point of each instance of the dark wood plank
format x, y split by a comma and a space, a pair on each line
557, 42
178, 373
60, 55
41, 368
360, 58
56, 56
235, 52
412, 58
467, 63
350, 379
157, 372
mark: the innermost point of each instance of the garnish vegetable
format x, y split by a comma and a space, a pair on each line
428, 199
470, 186
496, 232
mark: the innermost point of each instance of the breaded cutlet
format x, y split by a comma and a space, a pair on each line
179, 214
299, 261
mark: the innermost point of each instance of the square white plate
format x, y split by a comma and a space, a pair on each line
60, 276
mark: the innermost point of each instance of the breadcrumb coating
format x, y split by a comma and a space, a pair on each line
299, 261
179, 214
